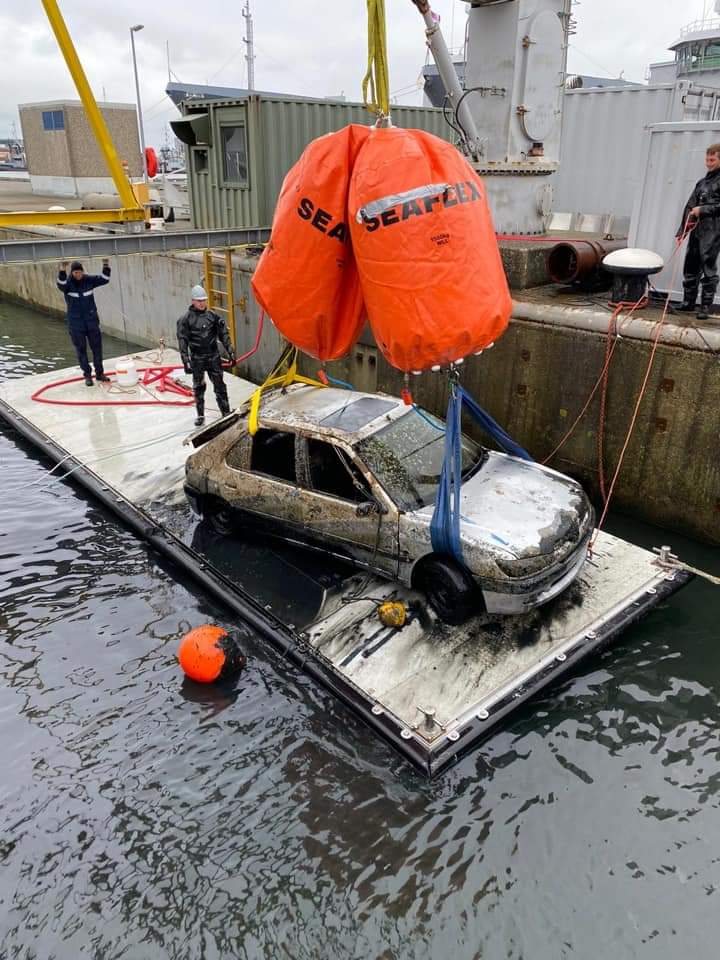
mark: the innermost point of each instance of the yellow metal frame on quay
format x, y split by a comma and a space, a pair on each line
131, 209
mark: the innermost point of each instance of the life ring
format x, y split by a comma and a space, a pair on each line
151, 161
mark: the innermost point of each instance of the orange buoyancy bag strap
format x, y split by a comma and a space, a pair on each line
424, 241
307, 280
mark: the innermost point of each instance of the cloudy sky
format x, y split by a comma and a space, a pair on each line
310, 47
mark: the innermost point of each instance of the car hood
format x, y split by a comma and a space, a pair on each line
521, 509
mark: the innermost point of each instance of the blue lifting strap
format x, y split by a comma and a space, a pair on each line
445, 524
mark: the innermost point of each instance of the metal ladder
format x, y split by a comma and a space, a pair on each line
220, 288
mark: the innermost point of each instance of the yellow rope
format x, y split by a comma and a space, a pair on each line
277, 378
377, 77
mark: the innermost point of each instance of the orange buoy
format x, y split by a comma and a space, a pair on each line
209, 653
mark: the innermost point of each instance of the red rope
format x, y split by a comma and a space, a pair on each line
602, 379
603, 372
254, 348
39, 397
656, 340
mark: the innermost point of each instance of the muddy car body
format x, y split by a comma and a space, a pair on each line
356, 475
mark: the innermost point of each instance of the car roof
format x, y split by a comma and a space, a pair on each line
349, 413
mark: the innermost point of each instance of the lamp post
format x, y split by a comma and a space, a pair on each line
133, 31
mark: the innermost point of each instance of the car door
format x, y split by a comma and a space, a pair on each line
342, 510
260, 479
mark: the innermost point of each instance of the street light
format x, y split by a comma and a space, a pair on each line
133, 31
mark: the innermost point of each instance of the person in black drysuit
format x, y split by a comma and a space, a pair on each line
702, 212
198, 332
82, 316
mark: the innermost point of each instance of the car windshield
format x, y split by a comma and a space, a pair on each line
407, 456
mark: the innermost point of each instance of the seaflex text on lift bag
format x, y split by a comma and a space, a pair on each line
307, 279
430, 269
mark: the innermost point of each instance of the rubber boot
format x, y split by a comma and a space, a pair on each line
89, 382
200, 418
705, 309
224, 409
689, 303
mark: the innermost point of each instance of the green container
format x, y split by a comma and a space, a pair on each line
239, 151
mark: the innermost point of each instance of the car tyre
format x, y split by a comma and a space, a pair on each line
450, 590
218, 515
221, 519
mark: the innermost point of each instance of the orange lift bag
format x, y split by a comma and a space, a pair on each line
307, 280
430, 269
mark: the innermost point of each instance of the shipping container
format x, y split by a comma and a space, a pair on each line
673, 161
239, 151
604, 131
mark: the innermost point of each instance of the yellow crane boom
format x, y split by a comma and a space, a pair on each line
131, 209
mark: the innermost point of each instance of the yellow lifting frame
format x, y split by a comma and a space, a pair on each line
131, 209
278, 378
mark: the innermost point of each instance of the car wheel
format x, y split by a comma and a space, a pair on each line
221, 519
217, 514
449, 589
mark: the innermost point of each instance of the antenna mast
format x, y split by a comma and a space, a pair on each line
249, 41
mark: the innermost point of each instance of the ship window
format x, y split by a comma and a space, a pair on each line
234, 150
53, 120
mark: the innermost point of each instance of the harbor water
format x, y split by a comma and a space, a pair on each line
142, 818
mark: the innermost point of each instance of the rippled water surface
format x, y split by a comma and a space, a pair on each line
139, 819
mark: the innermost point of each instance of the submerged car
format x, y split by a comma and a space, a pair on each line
356, 475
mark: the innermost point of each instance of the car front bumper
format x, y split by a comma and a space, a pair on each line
538, 591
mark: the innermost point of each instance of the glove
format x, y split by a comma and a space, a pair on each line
233, 360
186, 367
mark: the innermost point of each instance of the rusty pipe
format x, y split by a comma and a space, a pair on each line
579, 261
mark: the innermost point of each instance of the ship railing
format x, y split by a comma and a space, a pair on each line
699, 26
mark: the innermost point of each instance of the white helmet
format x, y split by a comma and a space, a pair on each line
198, 293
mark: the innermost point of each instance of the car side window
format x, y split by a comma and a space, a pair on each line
334, 473
238, 456
273, 454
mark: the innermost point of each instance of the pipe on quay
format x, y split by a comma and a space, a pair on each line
635, 327
578, 261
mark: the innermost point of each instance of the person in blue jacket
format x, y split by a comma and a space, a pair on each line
82, 316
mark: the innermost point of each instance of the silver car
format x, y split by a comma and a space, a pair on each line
356, 475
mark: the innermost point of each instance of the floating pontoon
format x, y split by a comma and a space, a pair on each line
431, 690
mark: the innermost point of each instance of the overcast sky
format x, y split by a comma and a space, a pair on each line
310, 47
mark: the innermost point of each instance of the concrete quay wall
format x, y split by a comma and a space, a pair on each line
535, 382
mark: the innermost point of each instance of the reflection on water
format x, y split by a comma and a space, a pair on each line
142, 819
